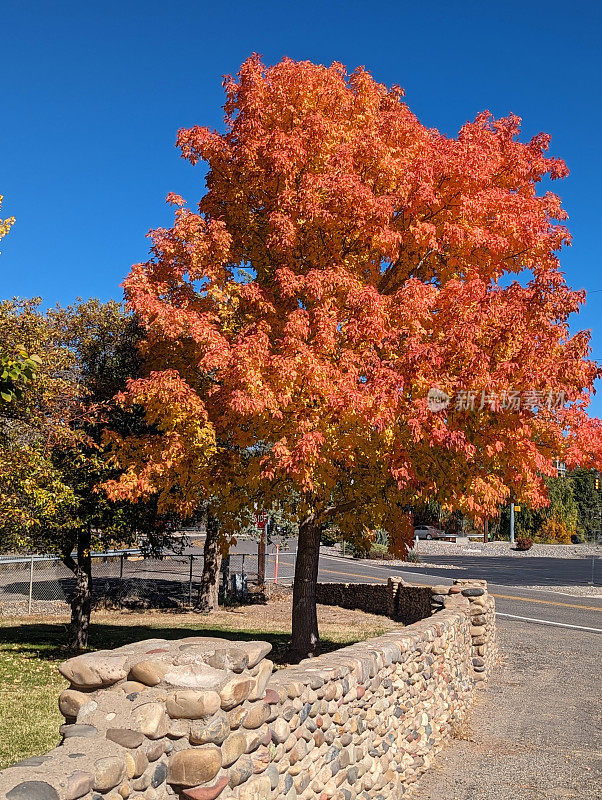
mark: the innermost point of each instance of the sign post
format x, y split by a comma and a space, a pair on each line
261, 520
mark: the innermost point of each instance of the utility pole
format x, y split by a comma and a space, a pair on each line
512, 522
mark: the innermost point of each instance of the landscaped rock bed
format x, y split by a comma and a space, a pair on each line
426, 548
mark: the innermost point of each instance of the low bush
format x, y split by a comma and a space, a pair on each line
374, 546
359, 550
554, 531
524, 543
380, 551
330, 536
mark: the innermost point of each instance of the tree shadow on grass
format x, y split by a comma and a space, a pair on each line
47, 641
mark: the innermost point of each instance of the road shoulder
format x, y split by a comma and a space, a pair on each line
533, 732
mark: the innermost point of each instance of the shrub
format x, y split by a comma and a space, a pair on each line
555, 531
376, 545
381, 537
330, 536
524, 543
413, 557
380, 551
360, 550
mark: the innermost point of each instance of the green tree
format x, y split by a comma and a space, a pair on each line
587, 498
555, 522
16, 371
52, 448
32, 494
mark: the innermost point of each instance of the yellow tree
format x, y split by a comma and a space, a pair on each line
5, 224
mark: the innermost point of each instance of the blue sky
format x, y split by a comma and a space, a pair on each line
92, 96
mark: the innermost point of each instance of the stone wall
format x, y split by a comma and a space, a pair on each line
409, 603
481, 610
201, 718
396, 599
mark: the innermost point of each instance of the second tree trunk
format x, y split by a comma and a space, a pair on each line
209, 586
81, 600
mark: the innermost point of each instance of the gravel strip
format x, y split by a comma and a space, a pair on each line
416, 564
434, 548
19, 608
497, 549
575, 591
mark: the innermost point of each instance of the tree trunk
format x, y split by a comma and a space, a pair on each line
81, 600
306, 639
209, 587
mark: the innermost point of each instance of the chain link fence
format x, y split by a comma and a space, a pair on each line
123, 579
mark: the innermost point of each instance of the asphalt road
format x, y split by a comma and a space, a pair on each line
506, 580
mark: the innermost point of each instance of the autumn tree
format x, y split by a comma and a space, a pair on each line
32, 493
573, 508
344, 260
5, 224
17, 367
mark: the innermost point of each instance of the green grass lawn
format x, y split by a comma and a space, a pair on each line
30, 652
29, 687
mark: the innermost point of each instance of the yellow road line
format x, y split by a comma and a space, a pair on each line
546, 602
504, 596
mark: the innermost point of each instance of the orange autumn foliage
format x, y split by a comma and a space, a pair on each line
344, 260
377, 246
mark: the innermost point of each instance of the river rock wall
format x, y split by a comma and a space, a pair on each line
202, 718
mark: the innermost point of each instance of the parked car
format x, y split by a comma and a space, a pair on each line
428, 532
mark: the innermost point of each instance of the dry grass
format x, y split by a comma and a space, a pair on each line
31, 648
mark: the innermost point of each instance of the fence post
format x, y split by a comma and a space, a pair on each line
276, 563
121, 566
190, 581
30, 585
225, 568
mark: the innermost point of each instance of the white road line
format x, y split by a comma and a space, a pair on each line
549, 622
